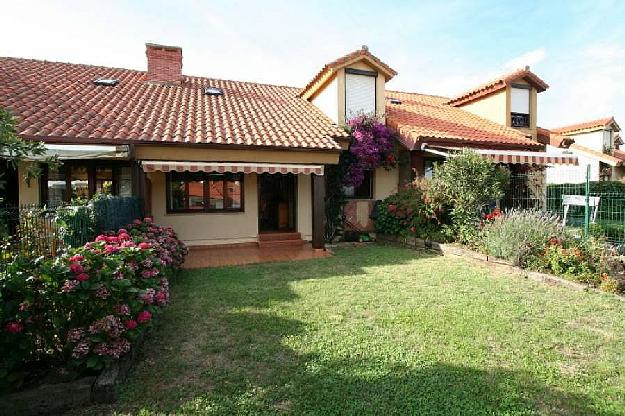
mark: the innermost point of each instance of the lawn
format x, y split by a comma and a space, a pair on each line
379, 330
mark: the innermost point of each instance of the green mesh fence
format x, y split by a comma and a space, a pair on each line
602, 207
114, 212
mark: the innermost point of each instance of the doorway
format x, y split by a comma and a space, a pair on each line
276, 202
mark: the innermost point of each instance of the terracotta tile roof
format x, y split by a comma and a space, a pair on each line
330, 68
419, 118
613, 160
587, 126
59, 102
546, 136
499, 84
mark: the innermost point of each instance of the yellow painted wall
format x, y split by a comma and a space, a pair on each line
494, 107
385, 182
209, 228
227, 228
28, 194
190, 153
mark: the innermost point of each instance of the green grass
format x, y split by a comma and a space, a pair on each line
379, 330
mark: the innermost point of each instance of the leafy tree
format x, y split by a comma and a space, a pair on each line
469, 183
14, 149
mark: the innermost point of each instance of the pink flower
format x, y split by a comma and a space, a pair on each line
112, 239
122, 309
122, 231
82, 277
160, 298
114, 349
144, 246
76, 268
16, 327
147, 296
144, 317
81, 349
102, 292
75, 334
111, 249
148, 220
123, 237
69, 286
130, 324
101, 237
76, 258
137, 222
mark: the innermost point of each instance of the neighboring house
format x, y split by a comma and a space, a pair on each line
595, 143
227, 162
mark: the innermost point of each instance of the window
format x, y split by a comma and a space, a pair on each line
204, 192
85, 179
608, 142
520, 106
359, 92
364, 191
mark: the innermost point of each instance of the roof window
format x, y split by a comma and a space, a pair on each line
216, 91
395, 101
107, 82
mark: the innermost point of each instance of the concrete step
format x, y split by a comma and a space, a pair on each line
279, 236
281, 243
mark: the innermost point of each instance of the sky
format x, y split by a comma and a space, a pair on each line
437, 47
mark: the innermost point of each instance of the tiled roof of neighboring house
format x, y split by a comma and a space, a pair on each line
499, 84
587, 126
59, 102
419, 118
326, 73
546, 136
614, 160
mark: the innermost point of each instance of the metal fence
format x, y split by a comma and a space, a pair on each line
591, 207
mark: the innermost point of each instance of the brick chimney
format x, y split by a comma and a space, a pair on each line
164, 63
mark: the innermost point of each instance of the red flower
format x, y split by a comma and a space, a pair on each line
14, 327
82, 277
123, 237
76, 268
101, 237
112, 239
76, 258
144, 317
144, 246
131, 323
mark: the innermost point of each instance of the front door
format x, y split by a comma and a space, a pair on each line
276, 202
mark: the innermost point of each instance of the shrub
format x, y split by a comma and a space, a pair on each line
468, 184
516, 236
411, 212
84, 309
580, 260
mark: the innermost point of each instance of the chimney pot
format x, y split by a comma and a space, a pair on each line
164, 63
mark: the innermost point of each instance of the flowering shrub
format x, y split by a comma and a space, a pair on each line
372, 146
86, 307
411, 212
580, 260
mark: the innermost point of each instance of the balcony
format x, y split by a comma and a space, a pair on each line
520, 120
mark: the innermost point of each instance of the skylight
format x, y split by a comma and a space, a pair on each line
107, 82
395, 101
213, 91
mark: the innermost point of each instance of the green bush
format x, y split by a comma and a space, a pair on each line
580, 260
517, 236
468, 184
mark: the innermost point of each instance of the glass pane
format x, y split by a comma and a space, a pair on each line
56, 187
216, 193
176, 195
80, 182
233, 194
125, 181
104, 180
196, 195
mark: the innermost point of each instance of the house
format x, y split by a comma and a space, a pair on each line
229, 162
595, 143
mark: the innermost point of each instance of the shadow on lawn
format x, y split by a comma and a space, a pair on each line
214, 353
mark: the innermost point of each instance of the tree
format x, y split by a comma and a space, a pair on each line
14, 149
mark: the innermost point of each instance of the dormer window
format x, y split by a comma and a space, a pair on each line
359, 92
520, 106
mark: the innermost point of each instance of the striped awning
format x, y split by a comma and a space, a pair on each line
510, 156
219, 167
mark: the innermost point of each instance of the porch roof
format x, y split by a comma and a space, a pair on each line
229, 167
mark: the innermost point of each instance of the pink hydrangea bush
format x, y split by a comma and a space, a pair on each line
86, 307
124, 277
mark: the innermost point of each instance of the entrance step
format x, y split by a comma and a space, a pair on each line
279, 239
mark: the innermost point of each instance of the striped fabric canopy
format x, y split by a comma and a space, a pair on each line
511, 156
219, 167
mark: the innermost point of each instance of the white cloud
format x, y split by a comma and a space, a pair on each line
530, 58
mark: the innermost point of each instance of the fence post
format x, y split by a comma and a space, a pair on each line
587, 204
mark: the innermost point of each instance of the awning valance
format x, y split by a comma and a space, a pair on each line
229, 167
510, 156
84, 151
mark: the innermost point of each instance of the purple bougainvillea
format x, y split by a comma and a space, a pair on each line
372, 146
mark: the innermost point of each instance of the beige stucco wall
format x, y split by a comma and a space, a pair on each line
327, 101
227, 228
493, 108
385, 182
209, 228
28, 193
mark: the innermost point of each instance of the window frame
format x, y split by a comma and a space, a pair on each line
362, 72
527, 116
205, 177
371, 188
